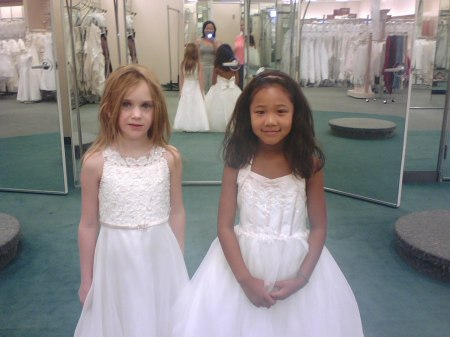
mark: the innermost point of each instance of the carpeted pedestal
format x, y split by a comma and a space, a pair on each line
9, 238
362, 128
423, 241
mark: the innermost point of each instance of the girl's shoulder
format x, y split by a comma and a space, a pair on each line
172, 155
93, 163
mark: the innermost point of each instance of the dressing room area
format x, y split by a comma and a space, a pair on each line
375, 74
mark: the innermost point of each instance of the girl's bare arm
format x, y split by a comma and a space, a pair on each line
253, 288
177, 216
89, 223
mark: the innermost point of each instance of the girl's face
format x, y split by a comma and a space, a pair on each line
271, 114
209, 30
136, 112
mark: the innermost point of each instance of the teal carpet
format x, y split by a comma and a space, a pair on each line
370, 167
19, 168
38, 290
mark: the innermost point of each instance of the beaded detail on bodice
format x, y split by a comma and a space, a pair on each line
272, 208
134, 192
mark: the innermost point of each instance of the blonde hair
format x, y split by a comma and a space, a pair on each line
117, 85
191, 58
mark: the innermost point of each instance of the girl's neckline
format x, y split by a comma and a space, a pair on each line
145, 155
270, 179
250, 168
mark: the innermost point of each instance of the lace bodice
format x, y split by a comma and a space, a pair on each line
134, 192
272, 208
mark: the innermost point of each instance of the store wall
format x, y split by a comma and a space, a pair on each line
227, 18
152, 43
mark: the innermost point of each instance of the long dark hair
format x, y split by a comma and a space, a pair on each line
300, 148
223, 54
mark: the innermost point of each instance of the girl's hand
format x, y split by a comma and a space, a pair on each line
256, 292
284, 289
83, 291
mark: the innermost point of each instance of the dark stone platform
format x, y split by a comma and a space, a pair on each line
362, 128
9, 238
423, 241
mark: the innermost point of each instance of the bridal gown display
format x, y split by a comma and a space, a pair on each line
272, 235
191, 111
220, 101
29, 78
139, 269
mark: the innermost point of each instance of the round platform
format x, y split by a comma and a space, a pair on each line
9, 238
363, 128
423, 241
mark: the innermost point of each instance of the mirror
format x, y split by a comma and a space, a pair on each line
358, 91
93, 51
32, 155
359, 85
428, 98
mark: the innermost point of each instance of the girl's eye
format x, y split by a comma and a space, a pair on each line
148, 106
258, 112
126, 104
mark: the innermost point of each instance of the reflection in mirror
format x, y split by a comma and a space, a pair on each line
342, 66
92, 47
31, 144
426, 126
353, 66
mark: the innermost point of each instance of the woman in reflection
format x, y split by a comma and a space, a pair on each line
207, 46
131, 232
224, 92
191, 112
270, 275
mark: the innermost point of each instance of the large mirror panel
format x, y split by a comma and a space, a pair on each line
92, 51
428, 120
32, 157
353, 66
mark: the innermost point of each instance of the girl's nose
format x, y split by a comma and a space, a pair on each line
136, 112
270, 119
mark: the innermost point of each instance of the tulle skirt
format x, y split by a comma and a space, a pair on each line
191, 111
220, 102
138, 275
214, 304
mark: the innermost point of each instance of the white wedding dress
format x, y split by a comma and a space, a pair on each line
139, 269
220, 101
272, 235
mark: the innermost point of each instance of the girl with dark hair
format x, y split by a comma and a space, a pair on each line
270, 275
224, 92
207, 46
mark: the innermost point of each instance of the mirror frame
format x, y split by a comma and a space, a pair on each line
55, 15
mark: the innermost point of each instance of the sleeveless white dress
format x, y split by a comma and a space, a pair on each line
191, 111
272, 236
220, 101
139, 269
